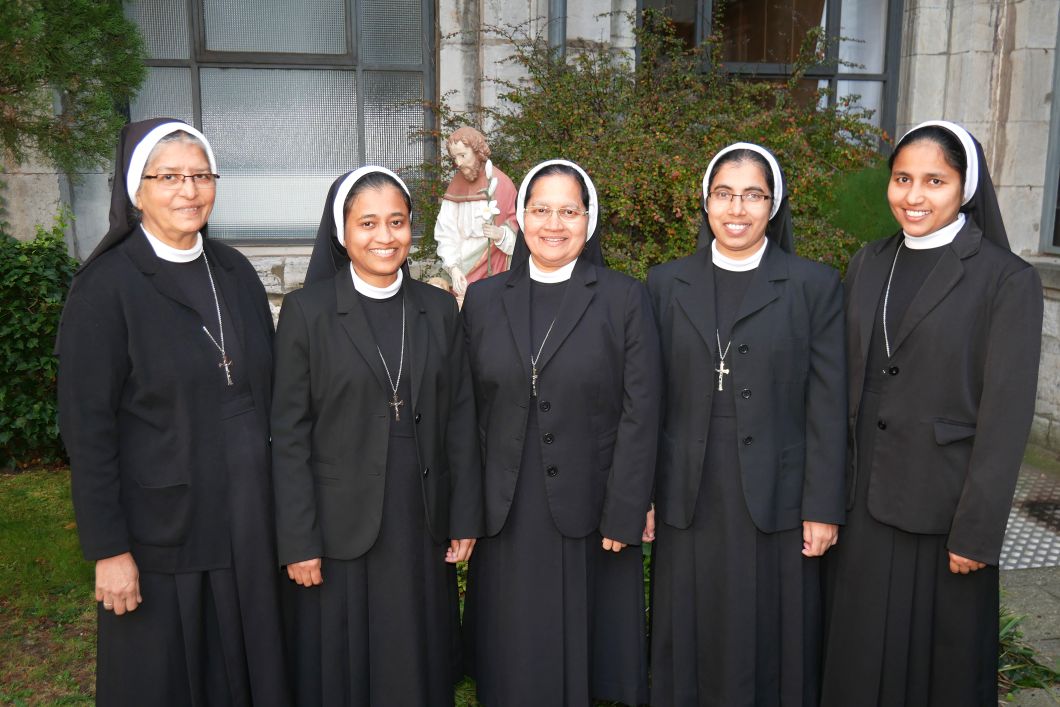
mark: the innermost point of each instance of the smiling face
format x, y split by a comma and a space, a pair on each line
378, 234
465, 160
925, 190
174, 216
552, 241
739, 227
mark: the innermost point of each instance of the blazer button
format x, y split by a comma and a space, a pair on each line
544, 406
893, 370
417, 418
426, 470
744, 348
745, 393
747, 441
547, 438
882, 424
551, 470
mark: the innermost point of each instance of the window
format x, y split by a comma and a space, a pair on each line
762, 38
291, 94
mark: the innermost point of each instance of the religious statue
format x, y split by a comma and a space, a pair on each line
476, 226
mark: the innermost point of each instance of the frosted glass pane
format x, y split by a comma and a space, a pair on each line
164, 26
391, 32
867, 22
287, 26
281, 137
166, 93
869, 96
393, 111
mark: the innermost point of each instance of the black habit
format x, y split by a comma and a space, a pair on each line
938, 430
171, 464
376, 495
551, 618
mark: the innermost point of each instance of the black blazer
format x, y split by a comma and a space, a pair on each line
958, 406
331, 421
598, 398
140, 422
790, 375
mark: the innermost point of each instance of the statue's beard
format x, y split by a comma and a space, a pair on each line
470, 173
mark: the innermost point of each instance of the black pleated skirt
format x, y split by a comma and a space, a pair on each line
552, 621
901, 629
212, 637
383, 628
735, 611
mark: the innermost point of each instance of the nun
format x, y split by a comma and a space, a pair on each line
564, 357
749, 486
165, 376
375, 460
943, 339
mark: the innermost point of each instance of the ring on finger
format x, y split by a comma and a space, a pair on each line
107, 606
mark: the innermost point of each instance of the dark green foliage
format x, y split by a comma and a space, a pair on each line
1018, 665
858, 203
646, 133
65, 68
34, 279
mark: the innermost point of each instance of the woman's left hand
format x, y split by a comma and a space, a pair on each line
962, 565
818, 537
612, 545
459, 550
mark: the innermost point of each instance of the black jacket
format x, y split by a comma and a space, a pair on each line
957, 410
790, 376
598, 398
330, 421
140, 423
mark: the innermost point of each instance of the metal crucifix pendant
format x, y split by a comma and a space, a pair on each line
226, 363
721, 370
533, 382
396, 403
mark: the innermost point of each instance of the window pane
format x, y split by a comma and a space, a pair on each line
166, 93
867, 22
281, 137
682, 13
769, 31
392, 112
164, 26
391, 32
287, 26
869, 95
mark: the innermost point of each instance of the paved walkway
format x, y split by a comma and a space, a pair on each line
1030, 576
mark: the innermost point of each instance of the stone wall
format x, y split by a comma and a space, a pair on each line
1045, 431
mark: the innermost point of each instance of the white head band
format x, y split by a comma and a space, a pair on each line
138, 161
778, 179
971, 174
344, 190
594, 202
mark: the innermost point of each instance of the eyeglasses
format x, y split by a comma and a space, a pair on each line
543, 213
176, 181
751, 197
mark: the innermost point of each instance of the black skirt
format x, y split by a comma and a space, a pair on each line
735, 611
383, 628
901, 629
212, 637
551, 620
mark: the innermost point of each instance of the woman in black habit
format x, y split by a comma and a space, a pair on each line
375, 459
749, 487
943, 339
564, 356
165, 373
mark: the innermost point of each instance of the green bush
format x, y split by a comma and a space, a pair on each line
645, 132
34, 279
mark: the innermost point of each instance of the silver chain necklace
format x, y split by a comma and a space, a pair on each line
395, 401
886, 298
226, 363
534, 359
721, 370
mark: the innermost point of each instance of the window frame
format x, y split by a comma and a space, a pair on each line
1049, 236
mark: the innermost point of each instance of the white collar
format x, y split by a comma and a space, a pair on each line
560, 274
732, 264
174, 255
941, 237
373, 292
